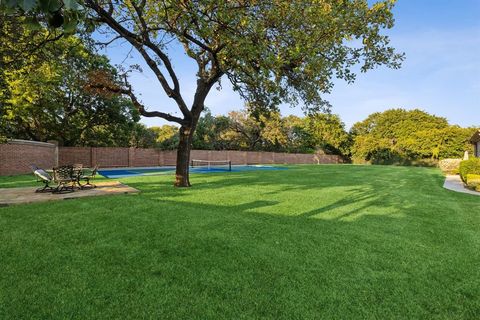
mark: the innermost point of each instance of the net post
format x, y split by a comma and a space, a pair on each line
229, 165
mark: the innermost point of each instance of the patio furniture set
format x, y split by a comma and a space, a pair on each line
67, 178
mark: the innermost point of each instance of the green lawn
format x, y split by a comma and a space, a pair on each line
329, 242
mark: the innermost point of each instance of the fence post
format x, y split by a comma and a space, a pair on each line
55, 153
93, 157
131, 156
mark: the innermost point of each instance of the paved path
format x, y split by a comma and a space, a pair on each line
455, 183
10, 196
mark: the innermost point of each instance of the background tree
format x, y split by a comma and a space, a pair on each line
401, 136
269, 131
43, 92
271, 51
143, 137
166, 137
209, 133
297, 135
244, 131
327, 133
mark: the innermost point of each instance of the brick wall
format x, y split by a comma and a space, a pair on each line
16, 156
71, 155
138, 157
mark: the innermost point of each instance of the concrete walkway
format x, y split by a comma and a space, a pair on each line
9, 196
455, 183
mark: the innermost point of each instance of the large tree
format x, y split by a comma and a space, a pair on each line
272, 51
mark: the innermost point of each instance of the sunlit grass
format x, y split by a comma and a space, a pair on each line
333, 241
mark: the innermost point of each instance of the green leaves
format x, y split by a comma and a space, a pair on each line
56, 13
27, 5
32, 24
402, 136
70, 25
43, 90
71, 4
49, 6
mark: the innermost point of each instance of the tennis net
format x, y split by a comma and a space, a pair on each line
219, 165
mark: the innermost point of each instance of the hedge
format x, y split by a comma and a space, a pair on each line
473, 181
470, 166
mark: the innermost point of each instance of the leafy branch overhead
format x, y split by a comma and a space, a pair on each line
271, 51
64, 14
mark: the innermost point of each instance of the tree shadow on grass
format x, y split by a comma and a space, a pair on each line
292, 246
325, 192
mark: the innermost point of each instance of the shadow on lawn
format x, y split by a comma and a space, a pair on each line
383, 193
274, 242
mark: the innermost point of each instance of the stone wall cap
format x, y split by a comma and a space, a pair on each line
31, 143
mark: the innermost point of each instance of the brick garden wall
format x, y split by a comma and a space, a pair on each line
16, 156
139, 157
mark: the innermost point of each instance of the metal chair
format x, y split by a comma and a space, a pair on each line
77, 173
44, 177
65, 179
88, 178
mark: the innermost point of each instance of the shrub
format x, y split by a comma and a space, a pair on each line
450, 166
471, 166
473, 180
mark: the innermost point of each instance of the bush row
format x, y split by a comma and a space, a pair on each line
470, 166
473, 181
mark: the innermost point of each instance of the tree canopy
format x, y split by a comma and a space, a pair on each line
403, 136
43, 93
240, 130
272, 51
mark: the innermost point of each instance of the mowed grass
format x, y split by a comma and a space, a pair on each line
312, 242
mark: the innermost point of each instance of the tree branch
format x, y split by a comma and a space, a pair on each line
137, 104
138, 42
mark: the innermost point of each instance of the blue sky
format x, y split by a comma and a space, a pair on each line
441, 73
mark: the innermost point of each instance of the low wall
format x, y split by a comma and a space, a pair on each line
16, 156
139, 157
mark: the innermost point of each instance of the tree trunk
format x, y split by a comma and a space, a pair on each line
182, 178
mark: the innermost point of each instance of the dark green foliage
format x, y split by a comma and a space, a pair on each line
209, 133
53, 14
44, 94
240, 130
470, 166
400, 136
142, 137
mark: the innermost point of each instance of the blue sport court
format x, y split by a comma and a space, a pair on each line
132, 172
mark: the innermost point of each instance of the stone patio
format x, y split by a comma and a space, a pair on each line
9, 196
